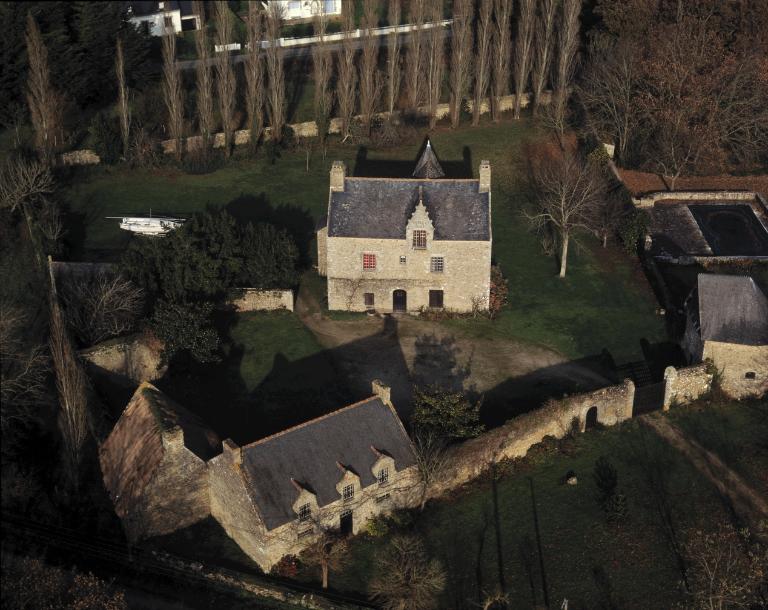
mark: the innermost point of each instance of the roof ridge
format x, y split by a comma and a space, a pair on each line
311, 421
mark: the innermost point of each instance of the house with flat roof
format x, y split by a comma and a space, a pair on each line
407, 244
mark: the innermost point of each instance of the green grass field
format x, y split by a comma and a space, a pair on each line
603, 303
590, 562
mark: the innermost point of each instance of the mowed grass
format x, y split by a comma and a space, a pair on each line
592, 563
603, 303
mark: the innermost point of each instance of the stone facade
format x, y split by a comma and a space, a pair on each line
404, 275
686, 384
254, 299
743, 368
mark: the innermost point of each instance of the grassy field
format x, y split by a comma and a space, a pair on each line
603, 303
585, 559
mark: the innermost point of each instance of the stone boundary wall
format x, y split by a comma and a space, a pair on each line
648, 200
686, 384
135, 358
556, 418
85, 156
254, 299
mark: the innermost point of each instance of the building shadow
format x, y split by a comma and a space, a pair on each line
390, 168
436, 363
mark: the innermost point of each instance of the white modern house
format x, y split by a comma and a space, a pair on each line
158, 17
305, 9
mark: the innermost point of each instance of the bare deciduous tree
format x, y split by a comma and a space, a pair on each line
226, 83
275, 71
526, 22
44, 102
435, 59
502, 50
393, 56
322, 64
71, 388
122, 98
370, 78
607, 215
725, 568
566, 191
346, 85
567, 46
22, 368
172, 92
101, 306
414, 55
254, 75
609, 88
483, 40
543, 49
461, 56
406, 578
431, 462
329, 551
204, 81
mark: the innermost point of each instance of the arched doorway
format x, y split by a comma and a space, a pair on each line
591, 419
399, 300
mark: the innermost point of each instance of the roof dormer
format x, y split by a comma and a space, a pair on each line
305, 505
349, 483
419, 230
383, 468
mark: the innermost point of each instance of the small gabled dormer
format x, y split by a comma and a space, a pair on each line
419, 231
305, 505
349, 485
383, 468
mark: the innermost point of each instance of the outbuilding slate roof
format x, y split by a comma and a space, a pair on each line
309, 453
381, 207
732, 309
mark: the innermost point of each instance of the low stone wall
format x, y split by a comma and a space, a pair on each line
263, 300
648, 200
470, 459
135, 358
80, 157
686, 385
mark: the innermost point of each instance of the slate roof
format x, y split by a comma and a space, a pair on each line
309, 454
381, 207
732, 309
428, 165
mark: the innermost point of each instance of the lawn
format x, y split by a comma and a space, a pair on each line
590, 562
604, 303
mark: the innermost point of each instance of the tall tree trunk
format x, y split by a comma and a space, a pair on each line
370, 80
225, 75
275, 72
461, 57
204, 82
502, 49
568, 44
172, 92
393, 57
254, 75
122, 99
524, 44
44, 110
564, 254
545, 26
435, 59
414, 56
347, 75
324, 567
483, 56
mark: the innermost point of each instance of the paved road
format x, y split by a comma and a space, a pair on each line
306, 50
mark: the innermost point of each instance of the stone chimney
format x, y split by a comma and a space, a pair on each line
232, 451
173, 439
485, 177
338, 173
382, 391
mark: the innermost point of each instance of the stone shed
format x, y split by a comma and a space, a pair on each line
154, 465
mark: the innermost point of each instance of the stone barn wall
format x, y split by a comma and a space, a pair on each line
135, 358
686, 385
743, 368
254, 299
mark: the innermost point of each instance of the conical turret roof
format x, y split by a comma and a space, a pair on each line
428, 166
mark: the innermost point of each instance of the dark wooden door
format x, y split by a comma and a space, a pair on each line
345, 522
399, 300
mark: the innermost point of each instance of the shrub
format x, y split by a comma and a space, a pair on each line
200, 161
287, 567
449, 415
377, 527
616, 508
633, 229
105, 137
499, 291
606, 479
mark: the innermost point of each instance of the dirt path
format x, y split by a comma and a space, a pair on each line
749, 505
403, 351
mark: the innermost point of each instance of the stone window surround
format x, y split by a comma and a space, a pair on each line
305, 512
437, 264
382, 476
442, 298
348, 493
369, 299
368, 258
419, 240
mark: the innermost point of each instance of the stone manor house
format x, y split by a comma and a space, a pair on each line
165, 470
407, 244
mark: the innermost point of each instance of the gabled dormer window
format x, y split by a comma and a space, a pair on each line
419, 239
